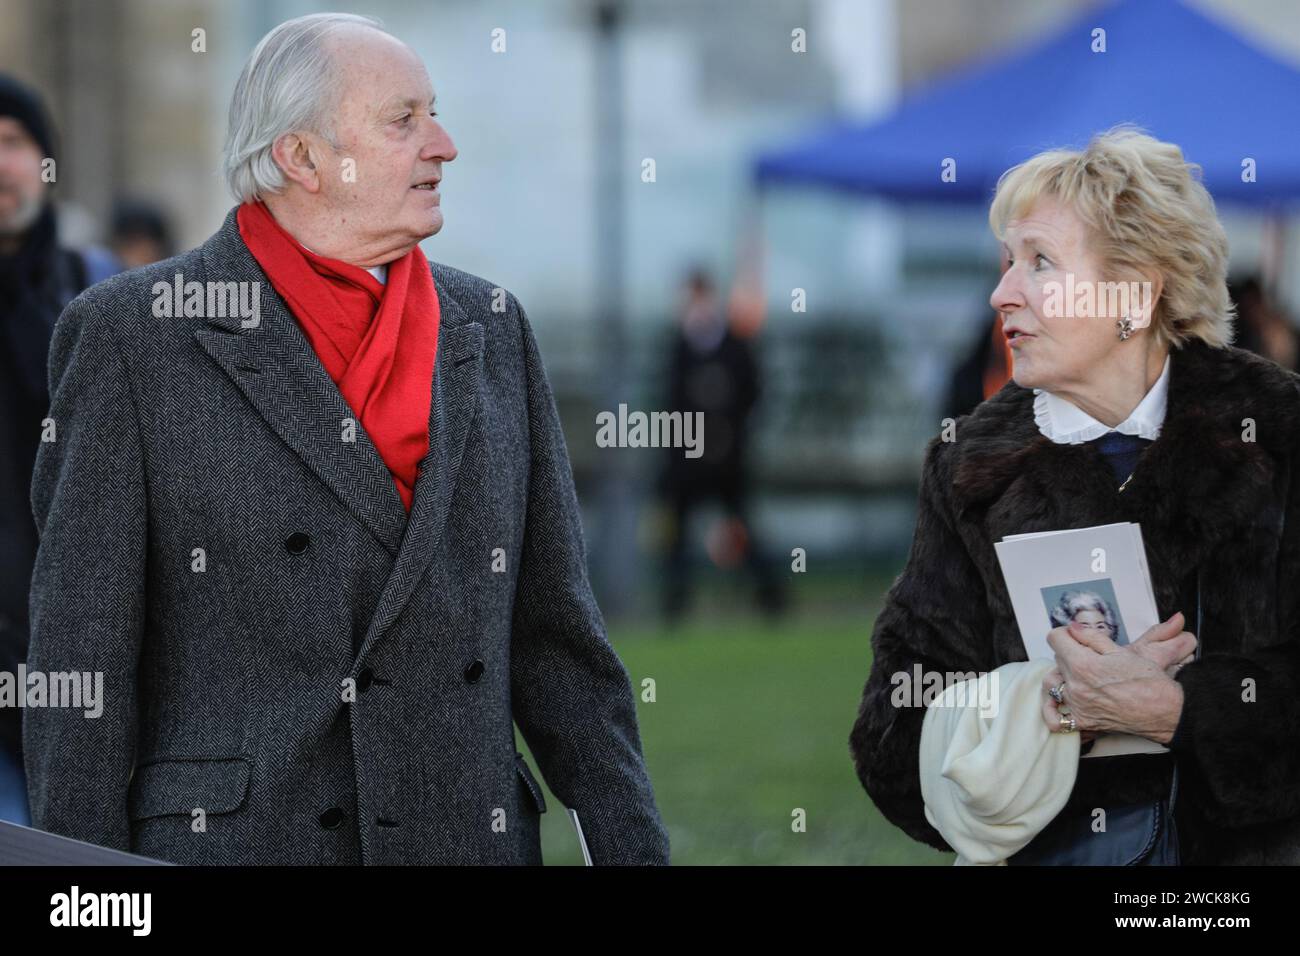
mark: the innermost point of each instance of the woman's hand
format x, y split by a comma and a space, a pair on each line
1167, 644
1115, 689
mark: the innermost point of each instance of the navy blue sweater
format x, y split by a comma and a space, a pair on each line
1121, 452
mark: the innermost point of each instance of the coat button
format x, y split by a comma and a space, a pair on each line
331, 818
364, 679
297, 543
474, 671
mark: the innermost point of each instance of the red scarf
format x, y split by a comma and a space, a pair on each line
377, 341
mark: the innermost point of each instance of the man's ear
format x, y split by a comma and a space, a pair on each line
292, 153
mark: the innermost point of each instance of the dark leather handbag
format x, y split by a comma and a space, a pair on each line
1142, 834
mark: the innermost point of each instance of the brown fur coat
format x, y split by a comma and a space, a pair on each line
1207, 499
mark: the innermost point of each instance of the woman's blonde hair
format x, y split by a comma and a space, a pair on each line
1147, 210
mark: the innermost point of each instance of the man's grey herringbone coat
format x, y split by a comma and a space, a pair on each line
325, 681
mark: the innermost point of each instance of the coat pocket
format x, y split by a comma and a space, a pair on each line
530, 783
180, 785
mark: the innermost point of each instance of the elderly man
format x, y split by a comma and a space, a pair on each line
309, 512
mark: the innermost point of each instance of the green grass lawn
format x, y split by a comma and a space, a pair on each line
752, 721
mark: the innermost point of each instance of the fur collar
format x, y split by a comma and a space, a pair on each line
1199, 482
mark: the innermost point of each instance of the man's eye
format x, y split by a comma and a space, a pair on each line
1039, 257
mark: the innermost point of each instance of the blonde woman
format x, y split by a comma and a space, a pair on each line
1120, 409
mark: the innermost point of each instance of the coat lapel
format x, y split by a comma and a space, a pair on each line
1222, 455
276, 368
1196, 485
457, 371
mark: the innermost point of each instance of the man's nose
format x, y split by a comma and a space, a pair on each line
1008, 296
440, 145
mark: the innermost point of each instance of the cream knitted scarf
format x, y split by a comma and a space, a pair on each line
992, 774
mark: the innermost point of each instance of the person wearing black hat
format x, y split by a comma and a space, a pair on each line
37, 279
140, 233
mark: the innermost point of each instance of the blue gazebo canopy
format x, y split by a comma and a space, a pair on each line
1185, 77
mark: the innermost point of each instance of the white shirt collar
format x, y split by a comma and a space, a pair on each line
380, 272
1067, 424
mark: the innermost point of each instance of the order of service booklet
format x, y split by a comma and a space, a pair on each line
1097, 577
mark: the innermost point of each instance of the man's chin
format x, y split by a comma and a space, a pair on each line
427, 225
17, 216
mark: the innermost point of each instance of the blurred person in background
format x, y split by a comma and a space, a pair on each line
37, 279
1262, 327
139, 233
985, 367
713, 370
1148, 416
981, 372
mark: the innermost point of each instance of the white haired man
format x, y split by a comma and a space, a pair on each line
310, 514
